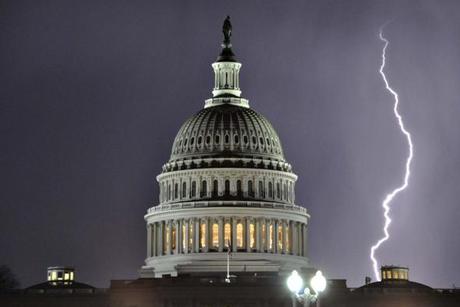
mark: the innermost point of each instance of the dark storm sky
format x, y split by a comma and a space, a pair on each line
92, 94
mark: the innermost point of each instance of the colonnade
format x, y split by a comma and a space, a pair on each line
221, 234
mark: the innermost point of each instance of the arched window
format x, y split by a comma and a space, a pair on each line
227, 235
236, 139
270, 190
239, 191
227, 139
184, 189
278, 192
176, 191
217, 139
215, 188
239, 236
204, 188
193, 192
215, 236
208, 139
227, 187
199, 140
261, 189
250, 189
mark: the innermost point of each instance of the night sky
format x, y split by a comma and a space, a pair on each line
92, 94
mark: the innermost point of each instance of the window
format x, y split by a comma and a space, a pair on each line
208, 139
239, 236
227, 139
287, 229
190, 236
176, 191
166, 236
192, 140
193, 192
250, 189
263, 244
236, 139
270, 190
252, 235
261, 189
280, 237
169, 191
278, 192
285, 191
217, 139
203, 234
227, 235
215, 235
270, 239
199, 140
204, 188
184, 232
184, 189
227, 187
245, 139
215, 188
239, 192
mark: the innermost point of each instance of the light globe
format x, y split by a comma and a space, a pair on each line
318, 282
295, 282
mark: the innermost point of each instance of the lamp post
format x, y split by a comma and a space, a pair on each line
295, 285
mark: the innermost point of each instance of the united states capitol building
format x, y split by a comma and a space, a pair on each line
227, 187
227, 230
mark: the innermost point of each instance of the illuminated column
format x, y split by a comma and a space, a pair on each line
294, 242
160, 241
169, 236
186, 237
178, 236
267, 235
221, 234
196, 235
234, 245
275, 236
206, 235
305, 240
247, 236
285, 236
149, 240
258, 234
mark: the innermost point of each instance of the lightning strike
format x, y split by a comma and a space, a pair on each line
389, 197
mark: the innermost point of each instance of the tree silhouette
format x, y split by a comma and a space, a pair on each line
8, 280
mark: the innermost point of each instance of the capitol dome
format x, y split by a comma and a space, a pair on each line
227, 188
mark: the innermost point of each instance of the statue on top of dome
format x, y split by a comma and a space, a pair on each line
227, 29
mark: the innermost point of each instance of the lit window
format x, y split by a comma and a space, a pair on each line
239, 236
227, 235
53, 275
71, 275
66, 276
173, 238
252, 235
203, 234
395, 275
184, 231
166, 236
215, 235
190, 236
384, 275
270, 240
389, 275
288, 239
280, 237
264, 237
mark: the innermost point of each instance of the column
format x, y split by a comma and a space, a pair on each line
247, 225
221, 234
295, 242
207, 235
149, 240
234, 248
178, 236
267, 235
196, 236
168, 235
186, 238
285, 235
275, 236
161, 236
258, 234
305, 240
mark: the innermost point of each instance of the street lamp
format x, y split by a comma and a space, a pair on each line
295, 285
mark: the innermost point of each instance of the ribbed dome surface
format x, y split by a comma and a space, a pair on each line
227, 131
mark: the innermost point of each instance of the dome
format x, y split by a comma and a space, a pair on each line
227, 131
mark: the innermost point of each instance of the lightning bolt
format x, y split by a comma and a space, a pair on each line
389, 197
